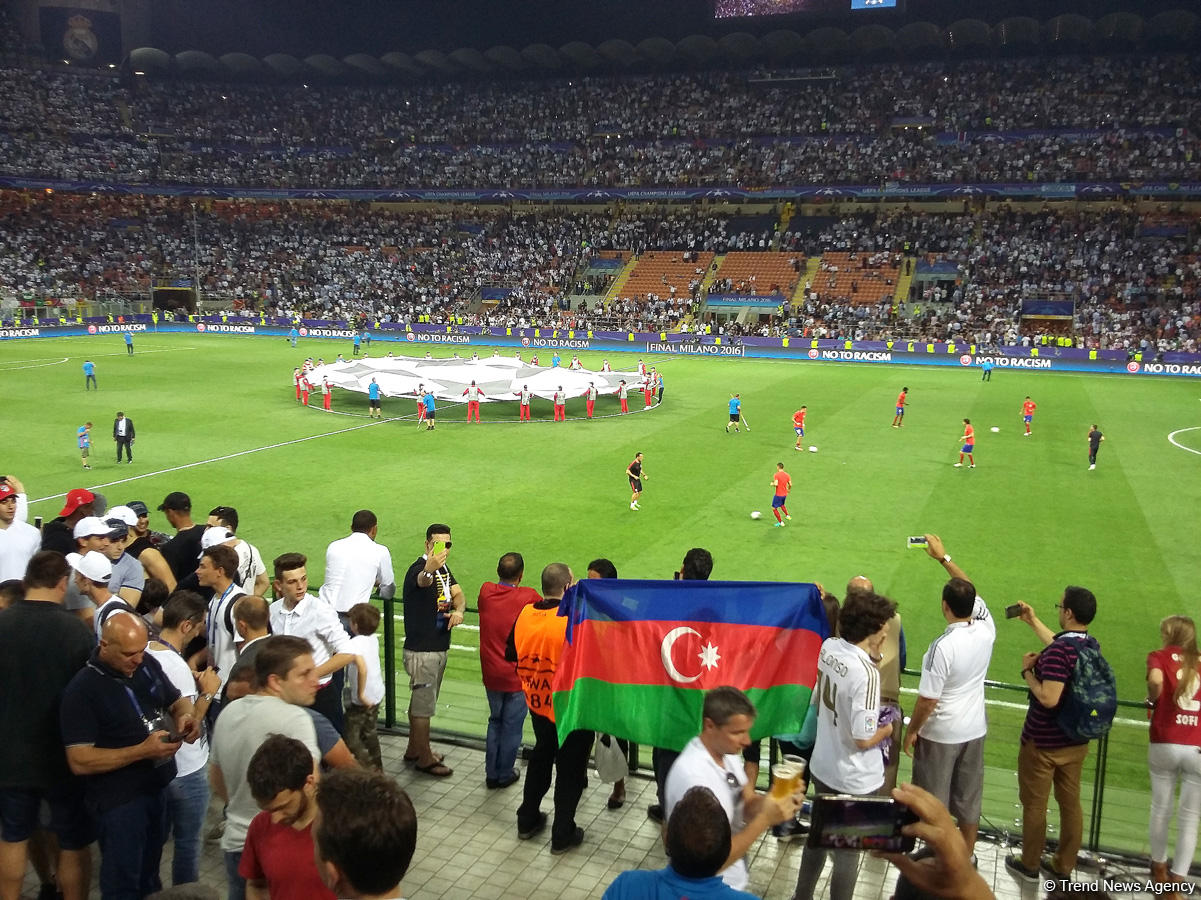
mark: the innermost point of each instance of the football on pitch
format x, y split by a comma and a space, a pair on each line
812, 449
756, 514
994, 429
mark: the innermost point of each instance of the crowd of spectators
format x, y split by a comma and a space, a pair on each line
702, 129
1134, 283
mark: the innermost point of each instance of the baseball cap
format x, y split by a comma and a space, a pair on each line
7, 490
139, 508
177, 500
217, 534
91, 565
124, 514
91, 526
76, 499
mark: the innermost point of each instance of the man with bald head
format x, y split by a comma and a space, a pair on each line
535, 645
122, 723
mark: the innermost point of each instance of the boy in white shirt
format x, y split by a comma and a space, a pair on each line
364, 687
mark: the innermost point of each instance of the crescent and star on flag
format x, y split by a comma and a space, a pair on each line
708, 655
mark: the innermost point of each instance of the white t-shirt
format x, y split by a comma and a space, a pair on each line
191, 757
694, 767
848, 696
18, 543
366, 646
353, 565
953, 673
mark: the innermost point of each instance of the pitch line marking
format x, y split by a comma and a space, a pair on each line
40, 365
1174, 442
205, 462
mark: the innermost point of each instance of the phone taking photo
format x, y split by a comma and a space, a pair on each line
1012, 612
439, 547
918, 543
844, 822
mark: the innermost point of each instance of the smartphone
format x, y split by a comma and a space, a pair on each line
439, 546
917, 543
843, 822
1012, 612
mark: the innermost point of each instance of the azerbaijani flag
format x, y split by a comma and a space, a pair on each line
641, 654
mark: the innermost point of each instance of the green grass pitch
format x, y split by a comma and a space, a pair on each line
216, 418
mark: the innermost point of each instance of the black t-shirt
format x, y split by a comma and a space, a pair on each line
182, 552
1094, 440
135, 549
423, 632
102, 708
42, 647
635, 470
58, 535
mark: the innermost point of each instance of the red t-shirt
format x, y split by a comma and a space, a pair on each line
901, 399
283, 857
783, 483
1028, 407
1172, 722
969, 434
798, 417
499, 605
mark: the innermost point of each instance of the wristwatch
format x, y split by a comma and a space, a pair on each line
946, 557
207, 698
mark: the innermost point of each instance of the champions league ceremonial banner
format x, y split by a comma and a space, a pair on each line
86, 32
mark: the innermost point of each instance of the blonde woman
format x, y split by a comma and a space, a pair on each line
1174, 697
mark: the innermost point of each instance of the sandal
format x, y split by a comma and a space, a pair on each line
412, 760
436, 769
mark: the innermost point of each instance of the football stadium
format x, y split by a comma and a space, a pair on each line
400, 400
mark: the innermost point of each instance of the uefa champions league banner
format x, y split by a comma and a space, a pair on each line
420, 339
813, 192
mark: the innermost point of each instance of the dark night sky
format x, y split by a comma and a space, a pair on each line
340, 27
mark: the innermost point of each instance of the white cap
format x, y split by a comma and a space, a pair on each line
91, 526
214, 535
92, 565
125, 514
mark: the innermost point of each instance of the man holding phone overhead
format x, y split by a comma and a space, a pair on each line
433, 605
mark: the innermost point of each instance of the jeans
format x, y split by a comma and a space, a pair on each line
506, 715
570, 764
361, 736
1170, 763
187, 802
236, 883
131, 847
1038, 771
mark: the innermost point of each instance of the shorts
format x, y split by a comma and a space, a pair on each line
734, 417
799, 429
900, 410
425, 669
374, 404
777, 501
968, 448
83, 451
1027, 418
635, 484
429, 413
954, 773
69, 818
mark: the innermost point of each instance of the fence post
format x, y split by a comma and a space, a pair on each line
1094, 825
390, 663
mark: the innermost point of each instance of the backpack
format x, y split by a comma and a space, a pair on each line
1090, 697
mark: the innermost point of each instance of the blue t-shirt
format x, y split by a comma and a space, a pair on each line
428, 400
89, 368
128, 338
986, 366
373, 391
667, 884
554, 361
735, 406
293, 333
358, 339
85, 438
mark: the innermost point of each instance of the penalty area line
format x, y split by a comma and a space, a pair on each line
1172, 439
205, 462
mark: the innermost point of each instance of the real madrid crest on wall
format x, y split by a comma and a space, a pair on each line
79, 42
